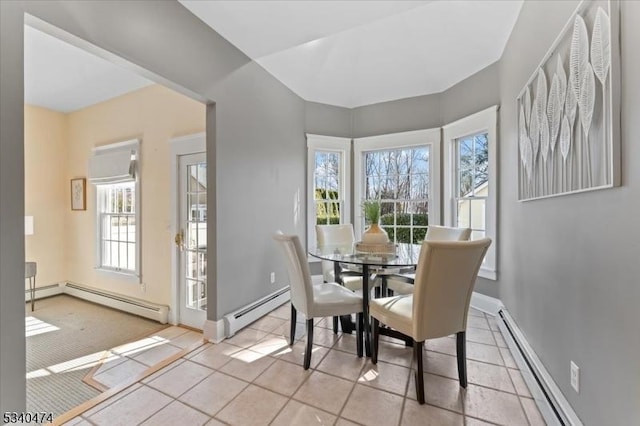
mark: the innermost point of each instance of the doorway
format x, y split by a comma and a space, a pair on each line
191, 240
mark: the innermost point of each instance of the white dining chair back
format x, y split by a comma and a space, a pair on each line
403, 284
445, 276
446, 233
300, 282
333, 235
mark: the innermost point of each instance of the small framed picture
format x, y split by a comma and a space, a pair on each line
78, 194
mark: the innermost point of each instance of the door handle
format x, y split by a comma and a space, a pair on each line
179, 240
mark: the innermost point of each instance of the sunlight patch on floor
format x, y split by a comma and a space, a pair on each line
140, 345
34, 326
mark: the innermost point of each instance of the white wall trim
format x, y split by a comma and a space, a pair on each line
213, 331
486, 304
182, 145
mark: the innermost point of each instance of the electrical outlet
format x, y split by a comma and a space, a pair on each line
575, 377
273, 277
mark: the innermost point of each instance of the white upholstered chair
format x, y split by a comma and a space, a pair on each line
403, 284
445, 276
320, 300
337, 235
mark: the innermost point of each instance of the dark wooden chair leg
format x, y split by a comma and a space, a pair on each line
375, 324
461, 353
359, 334
307, 353
292, 332
335, 325
418, 349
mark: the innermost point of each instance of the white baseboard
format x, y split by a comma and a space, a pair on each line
214, 331
45, 291
542, 386
486, 304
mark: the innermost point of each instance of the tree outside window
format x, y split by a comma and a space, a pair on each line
399, 178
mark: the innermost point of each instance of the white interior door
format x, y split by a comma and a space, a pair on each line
192, 240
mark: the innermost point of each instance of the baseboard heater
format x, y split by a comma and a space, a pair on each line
132, 305
44, 291
554, 407
239, 319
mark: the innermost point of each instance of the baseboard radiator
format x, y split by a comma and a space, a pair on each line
44, 291
554, 407
132, 305
235, 321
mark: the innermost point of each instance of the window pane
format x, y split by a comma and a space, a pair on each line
464, 211
400, 179
132, 228
131, 256
477, 235
419, 186
117, 227
106, 253
478, 214
465, 183
481, 164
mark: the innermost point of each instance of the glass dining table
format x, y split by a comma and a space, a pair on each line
371, 265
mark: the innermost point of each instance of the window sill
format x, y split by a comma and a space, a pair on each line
487, 273
124, 276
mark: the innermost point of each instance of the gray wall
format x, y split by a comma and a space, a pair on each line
12, 339
570, 266
420, 112
327, 120
258, 144
260, 166
473, 94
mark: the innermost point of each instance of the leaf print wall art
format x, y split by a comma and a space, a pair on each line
568, 137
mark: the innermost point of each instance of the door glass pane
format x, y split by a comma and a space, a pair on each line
195, 238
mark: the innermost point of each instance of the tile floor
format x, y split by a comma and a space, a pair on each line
255, 378
134, 358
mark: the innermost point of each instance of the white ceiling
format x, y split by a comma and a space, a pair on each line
64, 78
354, 53
345, 53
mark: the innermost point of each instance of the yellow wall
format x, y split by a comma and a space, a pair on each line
46, 191
154, 115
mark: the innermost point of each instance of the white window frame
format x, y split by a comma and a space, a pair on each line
318, 143
416, 138
135, 275
485, 121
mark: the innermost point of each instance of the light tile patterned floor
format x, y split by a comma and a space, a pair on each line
256, 378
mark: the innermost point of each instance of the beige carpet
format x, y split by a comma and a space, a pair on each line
65, 337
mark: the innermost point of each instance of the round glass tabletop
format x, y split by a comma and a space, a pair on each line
405, 255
